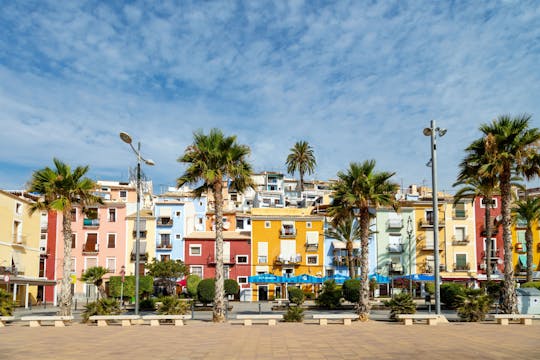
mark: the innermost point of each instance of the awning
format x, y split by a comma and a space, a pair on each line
417, 277
338, 278
341, 245
381, 279
266, 278
305, 279
523, 261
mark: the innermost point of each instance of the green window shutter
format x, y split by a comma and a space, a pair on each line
521, 239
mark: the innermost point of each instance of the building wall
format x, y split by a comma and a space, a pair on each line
423, 252
517, 253
131, 240
479, 212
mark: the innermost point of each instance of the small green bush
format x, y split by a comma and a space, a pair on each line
146, 286
494, 288
6, 303
450, 293
309, 295
330, 296
231, 287
294, 314
351, 290
401, 304
104, 306
474, 305
430, 288
531, 284
192, 283
147, 304
296, 295
206, 291
171, 305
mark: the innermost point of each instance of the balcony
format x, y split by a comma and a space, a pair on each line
395, 248
211, 260
142, 257
287, 233
430, 246
494, 231
164, 246
396, 268
142, 234
288, 260
19, 240
90, 223
164, 221
459, 214
460, 241
342, 260
428, 223
521, 223
90, 249
396, 223
495, 255
462, 267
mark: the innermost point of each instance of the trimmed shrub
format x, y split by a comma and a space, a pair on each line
309, 295
531, 284
192, 283
6, 303
450, 293
171, 305
147, 304
474, 305
430, 288
231, 287
146, 285
296, 295
330, 296
104, 306
494, 288
294, 314
401, 304
206, 290
351, 290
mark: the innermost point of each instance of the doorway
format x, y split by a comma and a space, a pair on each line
263, 292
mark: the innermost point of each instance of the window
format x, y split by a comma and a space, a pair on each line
111, 264
485, 201
461, 262
111, 241
18, 208
459, 210
90, 262
429, 216
241, 259
91, 244
267, 224
165, 240
459, 234
165, 257
123, 194
178, 213
73, 215
177, 237
329, 272
312, 259
493, 247
521, 240
262, 252
112, 215
73, 265
312, 240
225, 272
196, 270
287, 228
195, 250
73, 241
200, 221
263, 259
41, 268
308, 225
240, 224
242, 279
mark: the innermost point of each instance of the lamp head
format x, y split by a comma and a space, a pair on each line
441, 132
150, 162
427, 131
125, 137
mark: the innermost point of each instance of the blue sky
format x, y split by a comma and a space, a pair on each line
358, 80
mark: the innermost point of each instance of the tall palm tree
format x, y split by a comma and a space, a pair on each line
95, 276
357, 192
61, 189
476, 185
301, 159
511, 149
347, 230
213, 159
528, 210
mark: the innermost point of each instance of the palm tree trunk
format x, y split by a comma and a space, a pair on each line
65, 286
301, 185
487, 226
219, 298
529, 244
350, 259
363, 303
101, 289
509, 299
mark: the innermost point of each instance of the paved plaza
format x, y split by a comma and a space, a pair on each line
205, 340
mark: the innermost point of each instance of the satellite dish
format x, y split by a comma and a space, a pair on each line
498, 218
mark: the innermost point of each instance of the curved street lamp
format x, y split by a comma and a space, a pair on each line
127, 139
432, 132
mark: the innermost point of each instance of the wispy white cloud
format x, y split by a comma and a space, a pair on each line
356, 80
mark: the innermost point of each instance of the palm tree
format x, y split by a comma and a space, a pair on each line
213, 159
528, 210
347, 230
511, 150
95, 275
476, 185
61, 189
301, 159
357, 192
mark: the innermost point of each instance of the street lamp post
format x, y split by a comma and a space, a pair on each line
127, 139
409, 235
432, 132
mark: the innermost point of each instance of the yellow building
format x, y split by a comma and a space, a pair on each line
19, 248
519, 249
285, 242
147, 247
460, 252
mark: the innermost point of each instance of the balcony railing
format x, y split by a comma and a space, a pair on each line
90, 250
287, 233
142, 234
211, 260
394, 223
342, 260
395, 248
495, 254
462, 241
164, 246
462, 267
427, 223
430, 247
142, 257
288, 260
164, 221
90, 223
